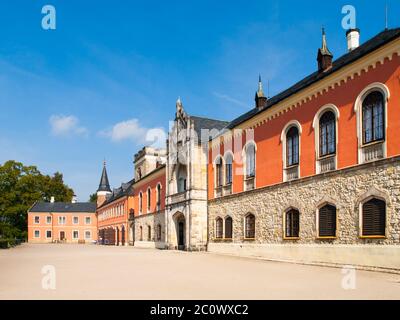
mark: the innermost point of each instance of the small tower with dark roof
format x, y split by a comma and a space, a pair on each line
261, 99
325, 57
104, 187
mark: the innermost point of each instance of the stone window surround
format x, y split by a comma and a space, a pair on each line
223, 228
382, 88
245, 225
38, 234
326, 201
244, 157
373, 193
315, 126
287, 127
284, 223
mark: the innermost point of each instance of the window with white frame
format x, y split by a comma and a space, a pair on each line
140, 202
88, 234
228, 169
88, 220
61, 220
292, 147
75, 234
48, 219
37, 234
290, 139
250, 161
48, 234
219, 181
76, 220
371, 110
37, 219
148, 200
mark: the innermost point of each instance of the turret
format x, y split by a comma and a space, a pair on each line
104, 187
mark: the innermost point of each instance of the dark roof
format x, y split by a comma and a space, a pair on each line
104, 184
65, 207
124, 190
364, 49
206, 123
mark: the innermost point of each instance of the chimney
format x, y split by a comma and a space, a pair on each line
325, 57
261, 99
52, 200
353, 39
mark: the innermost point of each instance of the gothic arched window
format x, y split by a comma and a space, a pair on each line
373, 118
327, 134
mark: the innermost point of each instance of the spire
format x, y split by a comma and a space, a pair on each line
261, 99
325, 57
324, 50
260, 91
104, 184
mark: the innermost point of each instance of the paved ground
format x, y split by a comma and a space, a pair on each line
95, 272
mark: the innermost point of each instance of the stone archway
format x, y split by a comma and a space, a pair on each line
180, 229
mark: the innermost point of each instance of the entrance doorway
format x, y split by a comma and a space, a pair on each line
181, 235
62, 235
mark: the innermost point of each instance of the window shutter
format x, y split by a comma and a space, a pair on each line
374, 218
327, 221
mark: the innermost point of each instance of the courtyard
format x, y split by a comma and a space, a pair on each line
98, 272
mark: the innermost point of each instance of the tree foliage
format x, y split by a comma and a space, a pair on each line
93, 198
20, 187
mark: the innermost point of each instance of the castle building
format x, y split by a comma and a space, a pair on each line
312, 174
62, 222
147, 220
309, 175
113, 209
186, 171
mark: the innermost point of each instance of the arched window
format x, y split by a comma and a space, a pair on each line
228, 169
181, 179
141, 233
158, 197
140, 202
373, 118
327, 134
219, 172
148, 200
148, 233
292, 221
374, 218
228, 228
219, 232
250, 226
327, 221
250, 161
292, 147
159, 232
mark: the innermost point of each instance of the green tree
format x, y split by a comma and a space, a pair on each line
20, 187
93, 198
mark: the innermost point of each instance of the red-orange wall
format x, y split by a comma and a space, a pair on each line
269, 163
158, 177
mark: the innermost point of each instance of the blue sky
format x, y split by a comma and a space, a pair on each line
112, 70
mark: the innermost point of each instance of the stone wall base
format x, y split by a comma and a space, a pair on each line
366, 257
149, 245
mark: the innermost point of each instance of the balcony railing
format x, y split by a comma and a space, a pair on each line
327, 164
292, 173
178, 197
373, 152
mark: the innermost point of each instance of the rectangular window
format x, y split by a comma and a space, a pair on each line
48, 234
88, 220
37, 234
75, 234
76, 220
61, 220
37, 220
88, 235
48, 219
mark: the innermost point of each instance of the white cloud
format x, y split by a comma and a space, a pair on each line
133, 131
66, 126
230, 99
